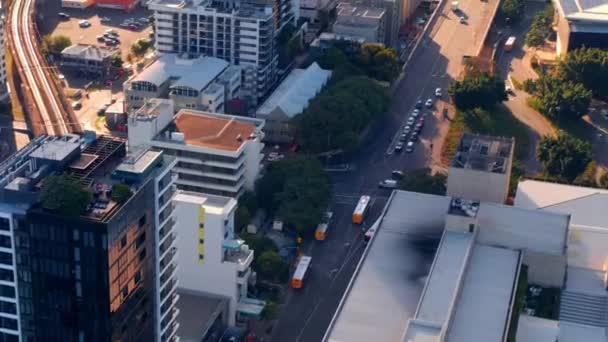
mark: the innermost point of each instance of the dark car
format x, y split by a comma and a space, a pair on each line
63, 16
399, 147
396, 174
419, 104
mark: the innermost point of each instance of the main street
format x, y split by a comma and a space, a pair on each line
435, 64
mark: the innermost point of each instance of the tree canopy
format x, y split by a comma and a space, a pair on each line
121, 193
336, 117
374, 60
564, 157
477, 89
422, 180
140, 47
117, 61
588, 67
559, 100
55, 44
542, 25
65, 196
297, 190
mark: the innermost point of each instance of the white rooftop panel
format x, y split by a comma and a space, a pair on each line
572, 332
483, 308
442, 284
534, 329
533, 194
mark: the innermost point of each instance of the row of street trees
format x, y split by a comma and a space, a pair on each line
542, 25
477, 90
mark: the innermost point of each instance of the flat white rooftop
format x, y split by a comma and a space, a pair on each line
442, 284
535, 329
572, 332
386, 287
483, 308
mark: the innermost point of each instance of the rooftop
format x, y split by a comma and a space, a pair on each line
212, 203
249, 12
483, 153
295, 92
86, 51
152, 108
345, 9
192, 73
483, 307
197, 313
215, 131
584, 10
393, 268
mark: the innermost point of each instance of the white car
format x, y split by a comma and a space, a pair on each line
124, 25
438, 92
409, 148
84, 23
415, 113
428, 103
105, 19
369, 234
388, 184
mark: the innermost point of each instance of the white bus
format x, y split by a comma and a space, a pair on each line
361, 209
297, 281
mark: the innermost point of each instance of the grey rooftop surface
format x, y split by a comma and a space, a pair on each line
482, 311
386, 287
483, 153
197, 313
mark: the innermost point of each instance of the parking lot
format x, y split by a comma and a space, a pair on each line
54, 25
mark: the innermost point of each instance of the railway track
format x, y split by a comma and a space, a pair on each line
38, 84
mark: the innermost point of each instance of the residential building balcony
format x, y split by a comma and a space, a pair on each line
236, 251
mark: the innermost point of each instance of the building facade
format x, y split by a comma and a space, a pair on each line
90, 276
87, 59
217, 154
367, 23
241, 33
580, 24
481, 169
203, 83
209, 249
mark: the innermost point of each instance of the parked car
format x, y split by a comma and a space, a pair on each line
388, 184
144, 20
396, 174
124, 25
101, 39
403, 137
105, 19
414, 136
399, 147
63, 16
509, 90
84, 23
132, 27
410, 147
112, 32
411, 121
102, 109
407, 129
416, 113
428, 103
462, 20
438, 92
419, 104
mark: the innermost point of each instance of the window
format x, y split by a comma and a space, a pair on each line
6, 258
78, 289
7, 291
76, 254
8, 323
123, 242
125, 292
5, 241
6, 275
142, 254
137, 277
4, 224
7, 307
6, 337
140, 240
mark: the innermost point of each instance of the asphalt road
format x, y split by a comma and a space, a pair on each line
435, 64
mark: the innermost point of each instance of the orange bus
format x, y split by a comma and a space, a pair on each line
361, 209
321, 231
297, 281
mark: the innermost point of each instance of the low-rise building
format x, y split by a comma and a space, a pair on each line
581, 23
367, 23
217, 154
204, 83
211, 258
311, 10
481, 168
291, 98
88, 59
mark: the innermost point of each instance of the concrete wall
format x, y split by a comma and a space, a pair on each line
253, 162
478, 185
588, 247
212, 275
563, 35
545, 269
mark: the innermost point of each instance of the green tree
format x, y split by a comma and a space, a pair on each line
561, 100
271, 266
297, 190
477, 90
55, 44
588, 67
514, 10
65, 196
541, 27
422, 180
379, 62
332, 58
121, 193
140, 47
564, 157
117, 61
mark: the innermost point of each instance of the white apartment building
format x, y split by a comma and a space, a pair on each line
217, 154
203, 83
4, 95
211, 258
241, 33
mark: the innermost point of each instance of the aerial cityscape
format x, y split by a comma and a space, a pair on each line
304, 171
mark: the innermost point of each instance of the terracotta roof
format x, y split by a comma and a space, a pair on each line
212, 131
